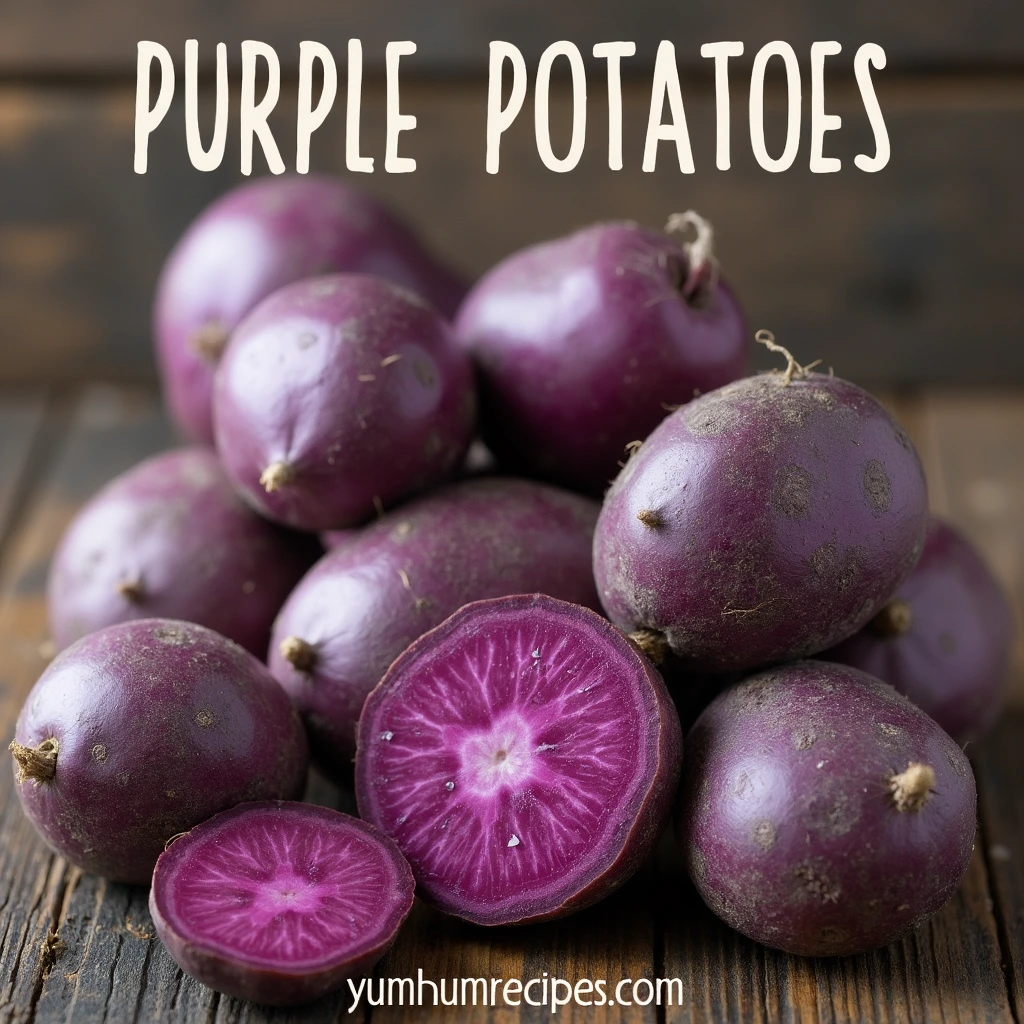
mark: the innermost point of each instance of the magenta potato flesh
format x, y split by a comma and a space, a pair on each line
822, 812
171, 539
582, 342
945, 638
256, 239
764, 521
523, 755
365, 602
142, 730
338, 396
279, 902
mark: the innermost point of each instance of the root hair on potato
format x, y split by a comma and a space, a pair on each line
36, 763
699, 254
793, 371
895, 619
653, 643
276, 475
911, 789
651, 517
298, 653
132, 590
209, 340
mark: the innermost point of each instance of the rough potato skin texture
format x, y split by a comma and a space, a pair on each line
171, 539
354, 385
257, 238
954, 660
160, 725
780, 518
362, 604
788, 822
582, 341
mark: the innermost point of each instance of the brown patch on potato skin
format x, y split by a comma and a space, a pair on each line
877, 487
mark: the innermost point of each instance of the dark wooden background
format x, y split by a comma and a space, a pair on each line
911, 275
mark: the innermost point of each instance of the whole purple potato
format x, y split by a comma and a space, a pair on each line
764, 521
583, 342
362, 604
945, 638
823, 813
144, 729
340, 395
171, 539
252, 241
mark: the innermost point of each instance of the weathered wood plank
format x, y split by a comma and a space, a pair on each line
453, 36
21, 418
885, 276
1000, 773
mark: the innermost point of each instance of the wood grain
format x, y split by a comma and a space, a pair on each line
888, 277
1000, 774
453, 35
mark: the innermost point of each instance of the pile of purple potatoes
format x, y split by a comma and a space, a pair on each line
500, 647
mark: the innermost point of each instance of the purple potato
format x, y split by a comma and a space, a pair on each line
144, 729
170, 539
339, 396
821, 812
581, 344
364, 603
280, 903
524, 755
945, 638
255, 239
764, 521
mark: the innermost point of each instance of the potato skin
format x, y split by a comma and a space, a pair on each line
350, 392
788, 821
160, 725
171, 539
259, 237
953, 661
581, 342
762, 522
363, 603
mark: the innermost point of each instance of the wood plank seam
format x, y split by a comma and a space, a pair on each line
999, 913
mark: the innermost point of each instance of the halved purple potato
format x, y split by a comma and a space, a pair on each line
141, 731
363, 603
765, 521
170, 539
944, 639
255, 239
821, 812
339, 396
582, 342
279, 902
524, 756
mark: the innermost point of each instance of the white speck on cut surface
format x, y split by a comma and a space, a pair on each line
536, 653
820, 764
545, 746
449, 785
998, 851
514, 841
389, 735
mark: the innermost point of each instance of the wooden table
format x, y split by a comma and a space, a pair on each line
74, 948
